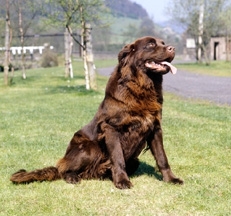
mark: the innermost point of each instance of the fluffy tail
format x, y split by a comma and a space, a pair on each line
46, 174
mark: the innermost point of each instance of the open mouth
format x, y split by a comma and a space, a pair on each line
161, 66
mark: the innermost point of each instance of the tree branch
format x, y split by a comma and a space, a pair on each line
73, 36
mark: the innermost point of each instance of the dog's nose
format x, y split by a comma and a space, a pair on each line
171, 49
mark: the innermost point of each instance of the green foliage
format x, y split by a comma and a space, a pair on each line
200, 22
38, 117
73, 12
187, 13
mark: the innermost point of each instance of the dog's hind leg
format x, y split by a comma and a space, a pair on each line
79, 162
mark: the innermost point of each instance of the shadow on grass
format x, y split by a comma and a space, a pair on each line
146, 169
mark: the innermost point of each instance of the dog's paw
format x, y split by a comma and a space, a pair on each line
124, 184
177, 181
122, 181
174, 180
169, 177
71, 178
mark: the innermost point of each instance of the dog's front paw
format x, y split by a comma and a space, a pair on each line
174, 180
169, 177
177, 181
124, 184
122, 181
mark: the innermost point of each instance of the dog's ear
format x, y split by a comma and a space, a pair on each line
130, 48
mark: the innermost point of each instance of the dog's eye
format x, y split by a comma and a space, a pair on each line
151, 45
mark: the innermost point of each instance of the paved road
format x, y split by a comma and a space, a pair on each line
189, 85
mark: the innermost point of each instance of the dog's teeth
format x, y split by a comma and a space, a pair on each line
155, 66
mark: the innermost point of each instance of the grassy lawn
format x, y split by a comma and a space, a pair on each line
216, 68
38, 117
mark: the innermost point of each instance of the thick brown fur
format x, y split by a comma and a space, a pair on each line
127, 121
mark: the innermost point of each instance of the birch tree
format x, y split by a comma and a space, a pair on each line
27, 11
72, 14
68, 44
89, 67
21, 31
8, 37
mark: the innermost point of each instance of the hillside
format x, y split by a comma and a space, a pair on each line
126, 8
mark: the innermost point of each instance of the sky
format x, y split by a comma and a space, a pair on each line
155, 9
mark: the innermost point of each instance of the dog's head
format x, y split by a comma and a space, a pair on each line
150, 54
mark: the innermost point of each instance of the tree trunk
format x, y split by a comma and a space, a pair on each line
84, 55
7, 44
200, 30
68, 52
86, 72
206, 56
22, 41
90, 74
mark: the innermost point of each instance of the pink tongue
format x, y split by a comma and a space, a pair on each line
172, 68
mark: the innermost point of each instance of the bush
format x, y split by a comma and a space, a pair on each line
49, 59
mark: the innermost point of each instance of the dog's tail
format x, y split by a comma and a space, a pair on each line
46, 174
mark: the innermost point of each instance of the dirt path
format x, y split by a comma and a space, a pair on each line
189, 85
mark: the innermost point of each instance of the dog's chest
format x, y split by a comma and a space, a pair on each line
137, 128
134, 135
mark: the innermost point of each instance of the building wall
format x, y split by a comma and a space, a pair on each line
218, 48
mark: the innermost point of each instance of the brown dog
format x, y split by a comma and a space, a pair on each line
128, 120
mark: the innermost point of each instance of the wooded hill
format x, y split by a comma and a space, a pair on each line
126, 8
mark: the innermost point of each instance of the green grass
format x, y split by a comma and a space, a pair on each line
215, 68
38, 117
106, 63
